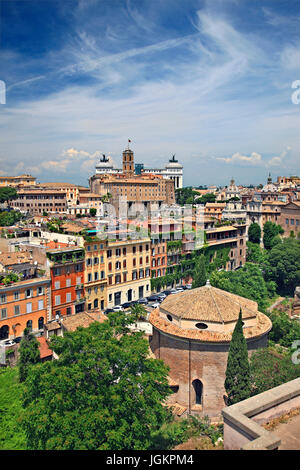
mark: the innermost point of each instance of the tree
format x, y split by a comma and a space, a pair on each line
237, 382
283, 266
247, 282
29, 354
271, 231
254, 233
138, 312
103, 393
269, 368
7, 194
200, 275
93, 212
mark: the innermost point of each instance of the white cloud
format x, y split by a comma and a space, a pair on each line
253, 159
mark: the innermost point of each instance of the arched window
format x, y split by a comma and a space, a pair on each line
4, 331
29, 325
169, 317
201, 326
41, 323
96, 303
198, 388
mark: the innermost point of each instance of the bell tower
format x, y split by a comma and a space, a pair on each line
128, 161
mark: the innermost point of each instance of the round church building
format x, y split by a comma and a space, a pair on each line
192, 331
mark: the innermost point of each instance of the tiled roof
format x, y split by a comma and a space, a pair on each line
7, 259
263, 326
45, 351
83, 319
208, 303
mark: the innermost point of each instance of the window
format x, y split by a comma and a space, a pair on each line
57, 284
102, 274
110, 297
89, 262
96, 276
68, 282
118, 265
57, 300
16, 295
109, 266
40, 290
292, 222
29, 307
141, 248
68, 297
134, 262
29, 325
95, 247
124, 263
287, 221
41, 323
41, 304
3, 298
89, 277
141, 260
78, 267
96, 260
118, 251
141, 273
69, 310
201, 326
78, 281
28, 293
56, 271
124, 251
134, 249
109, 253
17, 309
3, 313
88, 248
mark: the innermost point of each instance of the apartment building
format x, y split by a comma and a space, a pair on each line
67, 281
24, 304
14, 181
36, 201
290, 218
128, 270
95, 279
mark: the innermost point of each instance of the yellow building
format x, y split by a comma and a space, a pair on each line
95, 280
22, 180
128, 270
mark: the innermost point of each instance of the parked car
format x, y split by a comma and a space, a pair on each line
143, 300
118, 308
18, 339
155, 305
161, 296
153, 297
108, 310
127, 305
188, 286
173, 291
8, 342
167, 292
179, 289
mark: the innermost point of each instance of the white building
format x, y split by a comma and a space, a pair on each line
173, 170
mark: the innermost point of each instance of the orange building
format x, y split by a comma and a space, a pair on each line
24, 304
67, 281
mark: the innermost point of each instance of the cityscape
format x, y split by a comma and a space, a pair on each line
149, 285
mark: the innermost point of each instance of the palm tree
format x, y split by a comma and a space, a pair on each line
138, 312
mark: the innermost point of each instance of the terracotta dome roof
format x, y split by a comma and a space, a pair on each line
208, 304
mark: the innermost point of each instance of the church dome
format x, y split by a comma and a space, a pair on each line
208, 314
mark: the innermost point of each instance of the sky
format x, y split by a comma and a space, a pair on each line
216, 82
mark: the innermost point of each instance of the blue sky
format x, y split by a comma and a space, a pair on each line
210, 81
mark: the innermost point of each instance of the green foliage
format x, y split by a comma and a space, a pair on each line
185, 195
254, 233
12, 436
269, 368
138, 312
271, 232
29, 354
237, 382
7, 194
8, 218
256, 254
200, 275
93, 212
285, 330
283, 266
104, 392
247, 282
176, 432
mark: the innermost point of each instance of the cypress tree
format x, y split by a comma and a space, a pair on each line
237, 382
200, 275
